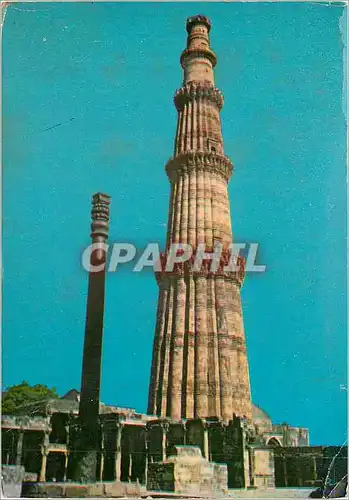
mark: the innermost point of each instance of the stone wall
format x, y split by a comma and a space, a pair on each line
227, 445
263, 468
45, 447
161, 477
292, 436
309, 465
76, 490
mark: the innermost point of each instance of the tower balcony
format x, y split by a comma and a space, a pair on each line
199, 160
187, 268
198, 90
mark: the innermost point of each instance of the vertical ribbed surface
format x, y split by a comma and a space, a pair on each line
175, 388
201, 348
200, 366
165, 353
214, 405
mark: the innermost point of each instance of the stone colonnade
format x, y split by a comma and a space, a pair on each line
127, 447
32, 448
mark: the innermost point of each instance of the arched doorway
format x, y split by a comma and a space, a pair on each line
273, 442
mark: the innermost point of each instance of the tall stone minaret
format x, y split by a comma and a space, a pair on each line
199, 366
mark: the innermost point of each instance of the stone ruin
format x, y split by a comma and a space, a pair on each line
187, 472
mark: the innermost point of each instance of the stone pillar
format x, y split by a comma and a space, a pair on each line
314, 468
100, 472
146, 437
101, 465
67, 430
284, 464
299, 474
42, 476
19, 447
129, 476
118, 453
164, 428
66, 460
91, 370
87, 444
206, 443
251, 465
246, 467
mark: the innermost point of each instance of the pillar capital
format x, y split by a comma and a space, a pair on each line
164, 426
100, 216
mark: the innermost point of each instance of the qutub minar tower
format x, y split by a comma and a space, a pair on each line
201, 434
199, 366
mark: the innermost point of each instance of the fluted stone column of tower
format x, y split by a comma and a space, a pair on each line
199, 366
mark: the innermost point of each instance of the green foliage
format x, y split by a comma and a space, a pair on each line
22, 394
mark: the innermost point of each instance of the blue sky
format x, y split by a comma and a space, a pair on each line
88, 106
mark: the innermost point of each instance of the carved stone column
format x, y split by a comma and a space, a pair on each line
206, 443
67, 430
164, 428
118, 452
314, 468
42, 476
100, 472
129, 476
66, 460
251, 463
87, 445
19, 447
284, 465
146, 437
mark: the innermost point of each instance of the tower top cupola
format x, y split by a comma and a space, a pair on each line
198, 19
198, 60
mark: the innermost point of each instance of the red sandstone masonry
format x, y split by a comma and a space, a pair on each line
200, 366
